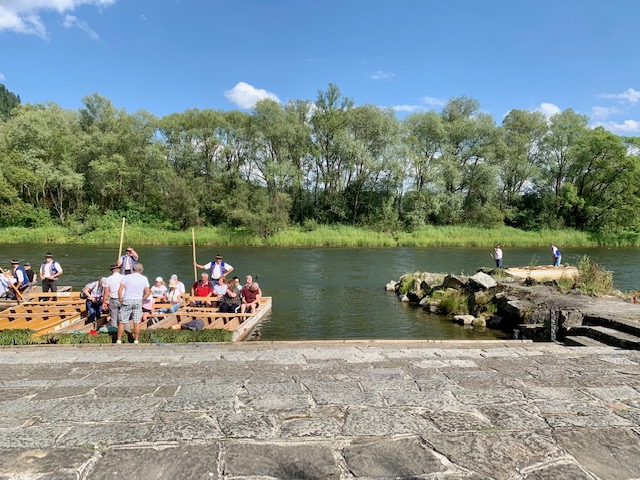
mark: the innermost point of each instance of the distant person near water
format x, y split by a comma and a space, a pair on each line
497, 255
556, 255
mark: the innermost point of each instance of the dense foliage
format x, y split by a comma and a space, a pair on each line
8, 101
314, 163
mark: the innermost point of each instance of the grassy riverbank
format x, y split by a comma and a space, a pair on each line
334, 236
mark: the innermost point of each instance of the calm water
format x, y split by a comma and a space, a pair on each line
328, 293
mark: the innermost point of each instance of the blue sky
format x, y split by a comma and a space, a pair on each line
166, 56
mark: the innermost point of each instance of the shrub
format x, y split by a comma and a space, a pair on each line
16, 336
593, 279
454, 302
167, 335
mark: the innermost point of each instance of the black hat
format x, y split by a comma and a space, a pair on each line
27, 264
114, 266
48, 254
218, 256
15, 262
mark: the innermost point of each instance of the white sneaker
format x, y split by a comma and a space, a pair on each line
136, 341
118, 341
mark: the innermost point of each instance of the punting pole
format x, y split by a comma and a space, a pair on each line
193, 243
121, 238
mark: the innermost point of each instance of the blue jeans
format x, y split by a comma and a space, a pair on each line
95, 310
556, 261
498, 263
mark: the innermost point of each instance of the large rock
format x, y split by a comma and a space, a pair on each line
482, 281
391, 286
463, 319
454, 281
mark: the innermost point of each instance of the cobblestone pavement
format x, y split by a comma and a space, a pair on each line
319, 410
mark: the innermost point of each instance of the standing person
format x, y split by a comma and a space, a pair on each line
555, 255
31, 275
134, 289
19, 273
94, 292
497, 255
50, 270
127, 261
217, 268
202, 288
110, 295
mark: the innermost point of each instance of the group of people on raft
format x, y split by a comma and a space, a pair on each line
127, 295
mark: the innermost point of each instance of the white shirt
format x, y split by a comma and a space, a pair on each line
113, 282
134, 286
180, 288
217, 269
220, 289
159, 291
95, 288
498, 253
45, 268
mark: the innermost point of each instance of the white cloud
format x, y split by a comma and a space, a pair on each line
70, 21
380, 75
630, 96
433, 101
602, 113
23, 16
406, 108
2, 77
549, 109
628, 126
246, 96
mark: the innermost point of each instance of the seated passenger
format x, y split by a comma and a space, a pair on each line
232, 299
93, 292
219, 289
174, 297
250, 298
159, 290
6, 280
202, 288
148, 308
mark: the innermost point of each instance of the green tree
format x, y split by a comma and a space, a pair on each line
8, 101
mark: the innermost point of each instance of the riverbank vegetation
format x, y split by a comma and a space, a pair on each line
322, 236
323, 172
161, 335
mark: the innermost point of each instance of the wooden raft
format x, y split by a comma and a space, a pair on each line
45, 312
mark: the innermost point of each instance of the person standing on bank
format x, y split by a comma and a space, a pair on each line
134, 289
110, 295
127, 261
217, 269
497, 255
50, 270
555, 255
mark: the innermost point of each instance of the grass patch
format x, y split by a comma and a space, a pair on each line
593, 279
453, 302
163, 335
320, 236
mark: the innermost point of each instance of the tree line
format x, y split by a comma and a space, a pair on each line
306, 163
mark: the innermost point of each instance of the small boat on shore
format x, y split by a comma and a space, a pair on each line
543, 272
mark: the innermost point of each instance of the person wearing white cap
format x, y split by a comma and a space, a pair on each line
159, 289
180, 288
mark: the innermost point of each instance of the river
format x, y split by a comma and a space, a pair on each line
328, 293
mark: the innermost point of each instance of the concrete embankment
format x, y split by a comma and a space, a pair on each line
340, 410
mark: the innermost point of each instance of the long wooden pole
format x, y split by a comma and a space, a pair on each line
19, 296
121, 238
193, 243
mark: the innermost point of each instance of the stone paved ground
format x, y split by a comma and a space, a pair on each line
376, 410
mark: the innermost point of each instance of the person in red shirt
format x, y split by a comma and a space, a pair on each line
251, 295
202, 288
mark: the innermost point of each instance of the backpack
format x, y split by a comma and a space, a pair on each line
193, 325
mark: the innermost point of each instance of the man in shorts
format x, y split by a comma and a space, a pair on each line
133, 290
